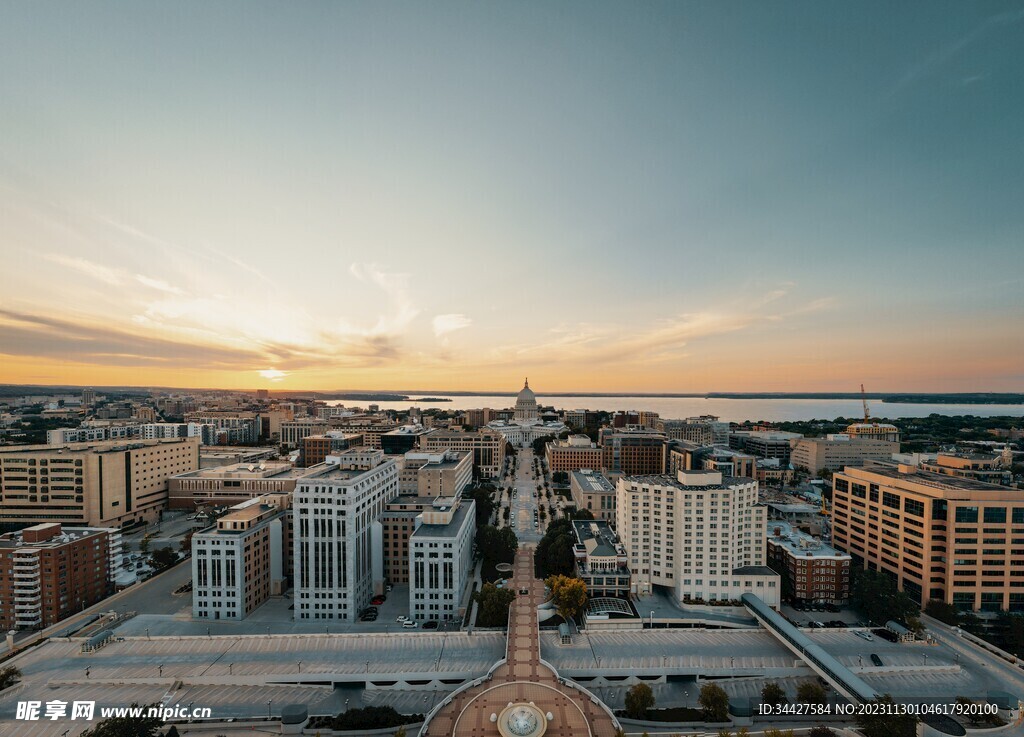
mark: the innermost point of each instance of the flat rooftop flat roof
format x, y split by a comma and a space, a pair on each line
593, 481
458, 519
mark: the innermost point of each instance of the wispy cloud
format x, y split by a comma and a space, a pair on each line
105, 274
943, 55
444, 324
396, 286
158, 284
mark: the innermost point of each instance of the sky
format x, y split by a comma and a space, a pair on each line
632, 196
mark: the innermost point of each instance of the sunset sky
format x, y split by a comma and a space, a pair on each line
634, 196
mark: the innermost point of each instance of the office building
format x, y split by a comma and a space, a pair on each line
699, 534
49, 572
403, 439
601, 560
700, 433
591, 490
227, 486
293, 431
397, 523
239, 563
316, 448
835, 452
105, 484
487, 447
995, 469
773, 444
444, 473
632, 453
441, 558
337, 565
370, 428
812, 572
572, 453
953, 539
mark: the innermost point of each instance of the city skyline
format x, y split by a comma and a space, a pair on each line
799, 197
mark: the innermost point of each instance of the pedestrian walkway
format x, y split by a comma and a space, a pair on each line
522, 678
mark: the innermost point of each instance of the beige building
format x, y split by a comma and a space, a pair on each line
398, 522
980, 466
874, 430
591, 490
230, 485
239, 563
700, 535
293, 431
108, 484
835, 452
444, 473
956, 540
487, 446
370, 428
573, 453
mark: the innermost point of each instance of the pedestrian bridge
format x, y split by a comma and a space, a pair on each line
841, 678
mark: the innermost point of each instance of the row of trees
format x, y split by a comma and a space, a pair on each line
875, 595
808, 692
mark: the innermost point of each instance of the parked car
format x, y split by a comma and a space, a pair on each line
431, 625
401, 618
378, 599
865, 635
885, 634
408, 624
875, 659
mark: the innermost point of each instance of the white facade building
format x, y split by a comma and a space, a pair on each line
441, 558
333, 513
699, 534
526, 426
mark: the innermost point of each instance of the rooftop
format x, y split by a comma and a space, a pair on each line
596, 538
593, 481
938, 481
459, 516
258, 470
798, 543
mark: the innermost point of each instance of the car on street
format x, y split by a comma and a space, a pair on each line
430, 625
401, 618
408, 624
876, 660
865, 635
378, 600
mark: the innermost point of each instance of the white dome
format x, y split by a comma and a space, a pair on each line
526, 394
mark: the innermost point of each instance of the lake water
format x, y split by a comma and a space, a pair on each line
731, 410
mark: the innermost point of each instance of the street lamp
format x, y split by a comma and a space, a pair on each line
367, 666
87, 673
269, 702
230, 666
300, 666
160, 669
346, 704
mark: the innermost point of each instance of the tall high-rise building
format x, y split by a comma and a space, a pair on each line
88, 397
953, 539
699, 534
337, 562
632, 453
441, 557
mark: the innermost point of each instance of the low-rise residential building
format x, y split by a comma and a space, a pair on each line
103, 484
773, 472
699, 534
232, 427
601, 560
572, 453
49, 572
441, 558
240, 562
837, 451
952, 539
812, 571
591, 490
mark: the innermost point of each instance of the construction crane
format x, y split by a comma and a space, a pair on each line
864, 401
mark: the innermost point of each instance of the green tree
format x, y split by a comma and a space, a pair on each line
714, 703
143, 547
584, 514
875, 595
9, 675
554, 552
164, 558
639, 700
968, 710
885, 723
400, 732
186, 543
125, 727
569, 594
724, 733
774, 732
494, 604
942, 611
772, 694
811, 692
821, 731
496, 546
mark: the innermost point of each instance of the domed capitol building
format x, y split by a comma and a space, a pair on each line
526, 426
